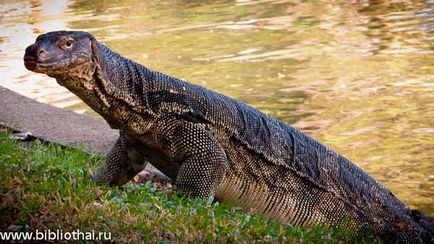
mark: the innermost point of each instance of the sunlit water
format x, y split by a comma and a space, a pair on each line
356, 75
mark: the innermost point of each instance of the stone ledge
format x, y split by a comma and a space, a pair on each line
54, 124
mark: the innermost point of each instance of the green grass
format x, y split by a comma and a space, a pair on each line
45, 186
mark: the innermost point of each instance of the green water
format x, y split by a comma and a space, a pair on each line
356, 75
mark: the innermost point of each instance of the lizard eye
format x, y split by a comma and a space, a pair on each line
69, 43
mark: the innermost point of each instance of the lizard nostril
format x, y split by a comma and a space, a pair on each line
40, 51
41, 54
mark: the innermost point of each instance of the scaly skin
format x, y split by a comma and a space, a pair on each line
213, 145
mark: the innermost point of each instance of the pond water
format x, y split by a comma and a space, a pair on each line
357, 75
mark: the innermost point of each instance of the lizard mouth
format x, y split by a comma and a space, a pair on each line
30, 62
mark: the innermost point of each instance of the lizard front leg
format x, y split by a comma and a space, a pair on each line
123, 162
202, 160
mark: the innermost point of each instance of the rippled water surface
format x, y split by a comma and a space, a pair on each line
357, 75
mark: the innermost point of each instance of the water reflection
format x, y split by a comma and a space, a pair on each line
357, 75
391, 26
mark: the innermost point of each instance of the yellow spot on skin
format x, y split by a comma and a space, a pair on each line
401, 226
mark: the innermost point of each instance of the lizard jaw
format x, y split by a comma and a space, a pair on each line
30, 62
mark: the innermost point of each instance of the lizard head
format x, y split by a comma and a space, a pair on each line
62, 53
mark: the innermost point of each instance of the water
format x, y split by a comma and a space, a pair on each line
357, 75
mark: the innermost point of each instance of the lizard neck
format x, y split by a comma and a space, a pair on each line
81, 81
122, 79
